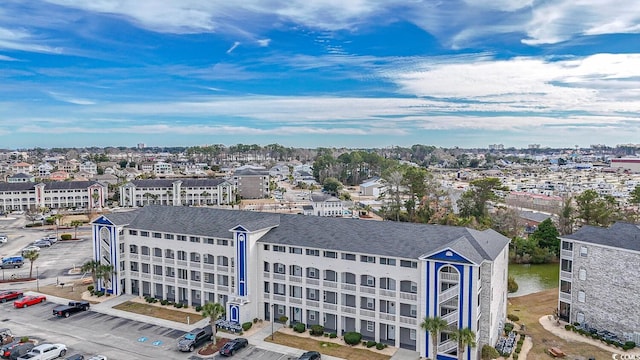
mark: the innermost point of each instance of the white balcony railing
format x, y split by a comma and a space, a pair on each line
313, 303
447, 346
296, 279
408, 296
279, 277
388, 317
565, 275
453, 277
448, 294
451, 317
331, 307
330, 284
181, 263
566, 254
348, 287
347, 309
387, 293
315, 282
145, 258
367, 289
223, 268
208, 266
565, 297
295, 300
407, 320
266, 274
367, 313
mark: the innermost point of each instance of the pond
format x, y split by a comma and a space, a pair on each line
534, 278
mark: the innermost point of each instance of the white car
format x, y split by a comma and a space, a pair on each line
30, 248
45, 352
3, 239
98, 357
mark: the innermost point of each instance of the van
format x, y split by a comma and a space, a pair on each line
12, 262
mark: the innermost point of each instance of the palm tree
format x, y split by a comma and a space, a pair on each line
205, 195
92, 267
105, 272
465, 337
76, 224
434, 325
213, 311
31, 255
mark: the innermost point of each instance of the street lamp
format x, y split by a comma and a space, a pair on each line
37, 280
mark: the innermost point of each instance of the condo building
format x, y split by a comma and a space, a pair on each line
377, 278
53, 195
599, 279
181, 192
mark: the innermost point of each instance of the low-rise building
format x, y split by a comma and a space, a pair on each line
53, 195
176, 192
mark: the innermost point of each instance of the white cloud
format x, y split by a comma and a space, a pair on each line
233, 47
7, 58
23, 40
70, 99
263, 42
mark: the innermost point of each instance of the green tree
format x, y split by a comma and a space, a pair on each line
332, 186
75, 224
473, 202
465, 338
594, 209
92, 267
105, 272
213, 311
565, 217
32, 256
434, 325
548, 236
635, 195
394, 180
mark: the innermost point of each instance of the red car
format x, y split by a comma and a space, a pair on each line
29, 300
10, 295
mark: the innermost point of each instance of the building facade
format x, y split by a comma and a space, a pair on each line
378, 278
327, 205
251, 183
599, 279
53, 195
183, 192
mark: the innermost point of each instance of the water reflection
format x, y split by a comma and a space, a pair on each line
534, 278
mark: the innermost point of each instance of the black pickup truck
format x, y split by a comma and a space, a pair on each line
71, 308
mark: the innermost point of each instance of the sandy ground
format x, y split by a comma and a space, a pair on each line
386, 351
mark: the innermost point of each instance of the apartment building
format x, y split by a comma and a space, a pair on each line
327, 205
54, 195
599, 279
251, 183
378, 278
183, 192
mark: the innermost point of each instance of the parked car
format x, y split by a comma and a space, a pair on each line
45, 352
4, 349
98, 357
196, 337
29, 300
51, 238
10, 295
71, 308
3, 239
233, 346
19, 350
310, 355
12, 262
42, 243
30, 248
75, 357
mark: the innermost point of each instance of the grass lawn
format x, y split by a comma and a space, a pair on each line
159, 312
530, 308
327, 348
67, 292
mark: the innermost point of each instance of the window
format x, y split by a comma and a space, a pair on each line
157, 235
278, 268
181, 238
144, 250
279, 289
367, 280
157, 252
408, 264
169, 272
265, 246
387, 284
566, 265
347, 256
566, 245
194, 239
313, 273
582, 275
312, 315
278, 248
412, 334
157, 270
295, 270
223, 260
182, 255
223, 242
182, 274
144, 233
169, 254
581, 296
413, 311
208, 259
370, 326
223, 280
168, 236
194, 257
133, 232
266, 267
195, 275
146, 268
266, 287
330, 275
209, 241
387, 261
313, 252
368, 259
330, 254
583, 251
295, 250
565, 286
133, 249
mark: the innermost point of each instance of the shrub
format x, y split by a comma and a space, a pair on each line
186, 306
380, 346
24, 339
515, 356
198, 308
630, 344
512, 285
246, 326
66, 237
317, 330
283, 319
333, 336
255, 320
513, 317
508, 327
90, 287
370, 344
325, 334
299, 328
352, 338
164, 302
568, 327
489, 352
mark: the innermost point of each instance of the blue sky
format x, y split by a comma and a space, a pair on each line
353, 73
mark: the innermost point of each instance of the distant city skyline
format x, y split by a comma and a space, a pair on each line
321, 73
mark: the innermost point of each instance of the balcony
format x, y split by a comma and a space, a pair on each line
367, 289
208, 266
566, 254
157, 278
332, 307
447, 346
349, 310
451, 317
313, 303
181, 263
296, 279
223, 268
223, 288
408, 296
565, 275
134, 256
295, 300
195, 283
314, 282
408, 320
348, 287
266, 274
145, 276
387, 293
209, 286
182, 282
279, 277
565, 297
449, 293
280, 298
450, 277
330, 284
389, 317
367, 313
157, 260
145, 258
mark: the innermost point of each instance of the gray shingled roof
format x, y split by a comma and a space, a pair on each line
56, 185
122, 218
384, 238
249, 172
620, 235
190, 182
